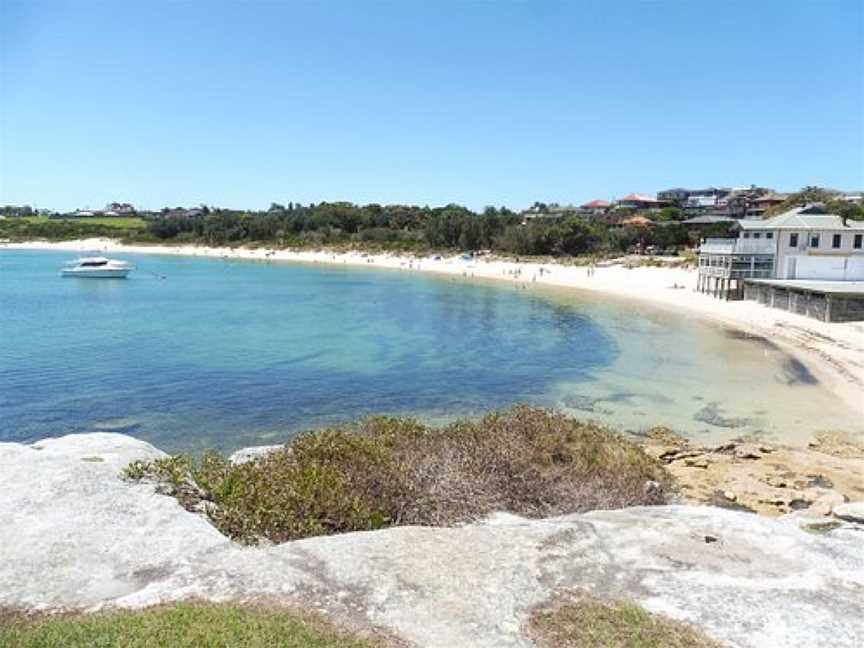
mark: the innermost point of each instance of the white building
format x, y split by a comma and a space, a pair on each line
804, 244
811, 244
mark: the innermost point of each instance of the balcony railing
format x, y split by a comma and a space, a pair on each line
737, 246
724, 272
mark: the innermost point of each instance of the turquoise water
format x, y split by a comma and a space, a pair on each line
191, 353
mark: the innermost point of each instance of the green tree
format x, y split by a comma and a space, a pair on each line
671, 214
806, 195
573, 236
846, 210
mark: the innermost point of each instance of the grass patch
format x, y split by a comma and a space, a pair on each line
111, 221
192, 625
587, 623
389, 471
42, 228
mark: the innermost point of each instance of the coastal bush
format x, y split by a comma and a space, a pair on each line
584, 622
191, 625
396, 471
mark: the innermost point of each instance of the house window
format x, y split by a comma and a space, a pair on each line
835, 242
814, 240
769, 235
857, 243
746, 234
757, 235
793, 240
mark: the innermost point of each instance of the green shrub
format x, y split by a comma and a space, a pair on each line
389, 471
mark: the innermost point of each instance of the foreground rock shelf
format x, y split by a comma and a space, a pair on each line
73, 534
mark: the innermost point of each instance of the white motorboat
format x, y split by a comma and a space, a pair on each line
96, 268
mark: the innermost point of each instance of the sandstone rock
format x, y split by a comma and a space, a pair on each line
826, 502
773, 485
750, 451
839, 444
776, 481
74, 534
698, 462
248, 454
851, 512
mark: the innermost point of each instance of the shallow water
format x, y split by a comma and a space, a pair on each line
223, 353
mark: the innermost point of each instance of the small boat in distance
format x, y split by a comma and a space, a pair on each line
96, 268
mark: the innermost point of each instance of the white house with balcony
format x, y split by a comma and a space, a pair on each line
804, 260
811, 244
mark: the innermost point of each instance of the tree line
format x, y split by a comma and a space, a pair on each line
452, 227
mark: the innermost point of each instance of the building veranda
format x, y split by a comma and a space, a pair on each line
805, 260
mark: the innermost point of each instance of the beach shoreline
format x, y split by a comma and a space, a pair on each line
833, 352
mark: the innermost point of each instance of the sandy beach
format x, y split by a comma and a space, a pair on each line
833, 352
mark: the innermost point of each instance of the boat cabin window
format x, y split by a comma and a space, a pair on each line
92, 264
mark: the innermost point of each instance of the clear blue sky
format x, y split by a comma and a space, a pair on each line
239, 104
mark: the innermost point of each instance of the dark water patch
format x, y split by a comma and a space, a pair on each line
736, 334
585, 404
713, 414
795, 373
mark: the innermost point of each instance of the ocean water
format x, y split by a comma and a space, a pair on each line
192, 353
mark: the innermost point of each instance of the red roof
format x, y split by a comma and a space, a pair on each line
638, 198
596, 204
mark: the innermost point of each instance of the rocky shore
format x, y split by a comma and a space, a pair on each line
768, 479
75, 535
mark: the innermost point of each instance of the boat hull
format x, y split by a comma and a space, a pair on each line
96, 273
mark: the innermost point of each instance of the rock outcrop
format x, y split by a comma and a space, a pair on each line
73, 534
772, 480
851, 512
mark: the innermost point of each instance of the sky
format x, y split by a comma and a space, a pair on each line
240, 104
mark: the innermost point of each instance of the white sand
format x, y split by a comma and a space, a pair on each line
833, 352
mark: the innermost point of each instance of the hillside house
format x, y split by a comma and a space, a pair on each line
759, 205
641, 203
119, 209
596, 207
693, 199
